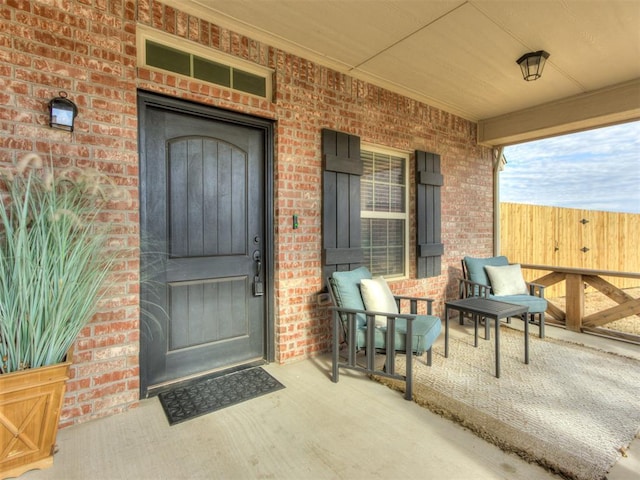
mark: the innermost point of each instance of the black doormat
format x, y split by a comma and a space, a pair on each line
210, 394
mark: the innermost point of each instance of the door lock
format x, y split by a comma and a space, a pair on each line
258, 286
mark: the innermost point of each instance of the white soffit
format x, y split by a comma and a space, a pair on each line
453, 54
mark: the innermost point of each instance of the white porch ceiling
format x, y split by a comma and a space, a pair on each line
460, 55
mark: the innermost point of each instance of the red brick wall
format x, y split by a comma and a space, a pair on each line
93, 57
86, 49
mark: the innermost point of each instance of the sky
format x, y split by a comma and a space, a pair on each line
592, 170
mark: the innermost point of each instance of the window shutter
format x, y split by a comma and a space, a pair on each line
428, 206
341, 226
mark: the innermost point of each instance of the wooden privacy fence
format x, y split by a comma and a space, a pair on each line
571, 238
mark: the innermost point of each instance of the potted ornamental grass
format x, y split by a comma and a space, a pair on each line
55, 259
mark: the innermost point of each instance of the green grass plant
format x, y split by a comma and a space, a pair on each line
55, 259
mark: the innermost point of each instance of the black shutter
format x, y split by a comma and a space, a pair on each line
428, 215
341, 226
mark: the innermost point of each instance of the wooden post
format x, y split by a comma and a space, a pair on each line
575, 302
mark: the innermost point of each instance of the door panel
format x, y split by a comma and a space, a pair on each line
202, 222
196, 301
207, 208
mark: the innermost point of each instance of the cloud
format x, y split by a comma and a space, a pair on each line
592, 170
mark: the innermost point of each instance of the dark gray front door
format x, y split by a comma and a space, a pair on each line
203, 225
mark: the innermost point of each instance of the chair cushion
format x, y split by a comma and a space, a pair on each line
475, 267
535, 304
347, 290
426, 329
506, 280
377, 296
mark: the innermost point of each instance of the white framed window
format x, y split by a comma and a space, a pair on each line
162, 51
384, 211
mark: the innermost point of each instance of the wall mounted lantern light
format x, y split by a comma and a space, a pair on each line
532, 64
62, 112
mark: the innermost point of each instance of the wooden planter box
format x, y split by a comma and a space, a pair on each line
30, 404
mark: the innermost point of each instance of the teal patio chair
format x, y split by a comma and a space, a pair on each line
496, 278
386, 330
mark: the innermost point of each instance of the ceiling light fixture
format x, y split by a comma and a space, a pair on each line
532, 64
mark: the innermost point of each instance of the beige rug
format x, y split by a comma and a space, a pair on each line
573, 410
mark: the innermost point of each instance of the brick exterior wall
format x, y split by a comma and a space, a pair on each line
91, 54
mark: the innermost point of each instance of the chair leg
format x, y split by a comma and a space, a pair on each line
429, 357
531, 318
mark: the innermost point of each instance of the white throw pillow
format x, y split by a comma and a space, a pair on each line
377, 296
506, 280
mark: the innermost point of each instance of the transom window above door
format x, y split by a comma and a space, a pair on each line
384, 215
159, 50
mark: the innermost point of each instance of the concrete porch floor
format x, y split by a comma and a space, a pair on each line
312, 429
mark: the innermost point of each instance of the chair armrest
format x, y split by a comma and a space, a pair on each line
536, 289
414, 302
347, 318
467, 288
373, 313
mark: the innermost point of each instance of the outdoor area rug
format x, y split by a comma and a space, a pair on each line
207, 395
573, 410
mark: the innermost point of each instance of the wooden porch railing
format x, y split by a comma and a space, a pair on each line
574, 317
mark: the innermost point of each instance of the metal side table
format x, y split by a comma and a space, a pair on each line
490, 309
